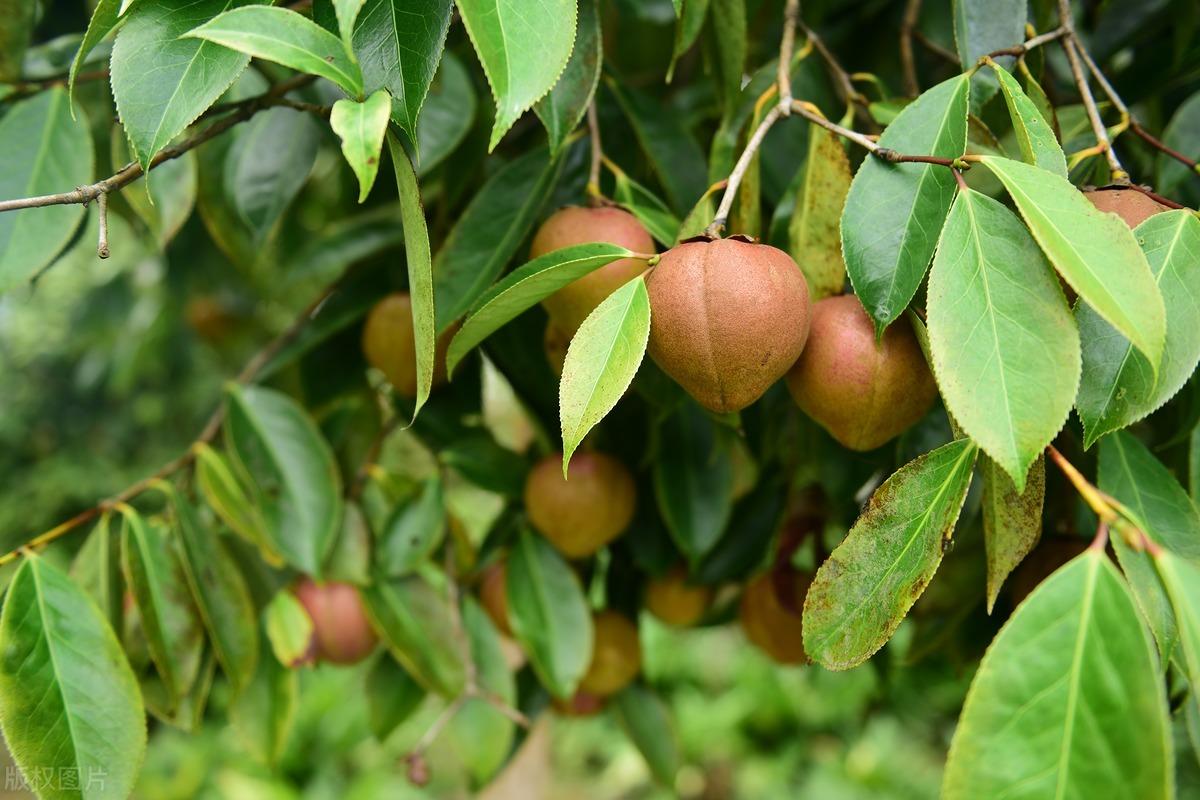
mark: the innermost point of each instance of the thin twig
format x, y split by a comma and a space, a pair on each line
1090, 494
1070, 46
912, 14
739, 171
943, 53
1030, 44
811, 113
593, 121
1158, 198
102, 209
23, 88
841, 78
791, 14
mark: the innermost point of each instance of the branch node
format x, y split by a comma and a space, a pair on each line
102, 209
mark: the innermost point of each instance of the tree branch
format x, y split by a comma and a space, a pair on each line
791, 15
593, 184
1029, 44
1071, 46
908, 64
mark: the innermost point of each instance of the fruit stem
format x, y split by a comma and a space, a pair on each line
593, 184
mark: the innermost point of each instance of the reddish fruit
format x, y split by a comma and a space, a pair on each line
580, 704
771, 611
675, 601
573, 225
390, 347
340, 627
616, 655
590, 509
1129, 204
864, 393
728, 318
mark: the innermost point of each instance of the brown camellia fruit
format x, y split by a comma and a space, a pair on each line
675, 601
342, 633
864, 393
728, 317
389, 345
770, 612
1129, 204
493, 595
580, 515
573, 225
616, 655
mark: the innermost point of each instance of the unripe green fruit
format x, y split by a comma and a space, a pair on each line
573, 225
771, 613
728, 318
1129, 204
580, 515
389, 346
862, 392
616, 655
675, 601
341, 631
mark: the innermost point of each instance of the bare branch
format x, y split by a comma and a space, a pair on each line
1070, 45
791, 15
912, 13
593, 121
1029, 44
739, 170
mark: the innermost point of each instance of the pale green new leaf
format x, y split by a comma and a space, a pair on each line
894, 212
289, 629
1181, 578
562, 109
1094, 252
659, 221
361, 127
601, 361
523, 46
1119, 385
1034, 135
45, 151
413, 618
870, 581
1067, 702
524, 287
104, 19
347, 12
68, 698
814, 239
1005, 347
1012, 520
285, 37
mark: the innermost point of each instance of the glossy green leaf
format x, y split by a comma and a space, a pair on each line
894, 212
165, 203
68, 699
489, 232
1067, 702
392, 696
1174, 179
647, 722
549, 614
729, 28
523, 51
299, 489
45, 151
17, 18
525, 287
155, 577
103, 21
398, 44
446, 115
350, 559
413, 532
687, 29
1181, 579
413, 619
1012, 520
1119, 385
601, 361
97, 570
1035, 136
814, 238
981, 26
659, 221
562, 109
1005, 347
1094, 252
162, 80
285, 37
693, 480
361, 127
747, 541
289, 629
420, 270
263, 713
699, 218
219, 591
483, 461
864, 589
347, 12
225, 494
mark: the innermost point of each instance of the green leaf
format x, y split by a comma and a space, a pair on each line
1174, 179
167, 201
298, 487
981, 26
155, 577
224, 493
747, 541
687, 29
68, 698
1095, 252
289, 630
97, 570
483, 461
447, 114
653, 213
549, 614
646, 719
45, 151
285, 37
698, 219
489, 232
350, 559
562, 109
523, 288
1119, 385
693, 480
392, 696
413, 619
413, 532
522, 53
361, 127
1067, 701
814, 239
728, 25
398, 44
220, 594
17, 18
864, 589
1181, 579
161, 80
103, 21
601, 361
1005, 347
347, 12
1012, 520
420, 270
1035, 136
263, 713
894, 212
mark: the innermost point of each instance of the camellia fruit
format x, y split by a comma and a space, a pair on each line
728, 318
580, 515
390, 347
1129, 204
341, 630
616, 655
863, 392
770, 612
675, 601
573, 225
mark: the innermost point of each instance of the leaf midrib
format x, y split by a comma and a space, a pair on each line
58, 682
1064, 757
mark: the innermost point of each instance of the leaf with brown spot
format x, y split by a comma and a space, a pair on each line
1012, 520
814, 233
